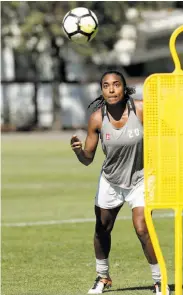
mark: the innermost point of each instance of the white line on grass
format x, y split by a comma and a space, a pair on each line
78, 220
20, 186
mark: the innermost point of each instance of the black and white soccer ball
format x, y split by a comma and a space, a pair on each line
80, 25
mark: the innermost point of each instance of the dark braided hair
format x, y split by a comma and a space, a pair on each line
101, 101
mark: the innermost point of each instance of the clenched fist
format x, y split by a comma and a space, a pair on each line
76, 144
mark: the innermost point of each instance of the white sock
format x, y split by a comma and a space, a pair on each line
156, 274
102, 267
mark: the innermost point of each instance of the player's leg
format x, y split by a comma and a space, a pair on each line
144, 237
108, 202
136, 201
105, 219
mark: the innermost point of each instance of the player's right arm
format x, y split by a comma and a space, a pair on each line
86, 155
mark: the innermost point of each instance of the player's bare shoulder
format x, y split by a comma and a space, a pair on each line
95, 120
139, 108
138, 103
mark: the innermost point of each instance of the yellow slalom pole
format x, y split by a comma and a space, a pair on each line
157, 248
173, 49
163, 151
178, 209
178, 251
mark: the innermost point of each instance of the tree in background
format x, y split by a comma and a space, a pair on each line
33, 28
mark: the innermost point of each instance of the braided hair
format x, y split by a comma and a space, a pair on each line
101, 101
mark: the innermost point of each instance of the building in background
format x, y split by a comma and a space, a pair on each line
143, 45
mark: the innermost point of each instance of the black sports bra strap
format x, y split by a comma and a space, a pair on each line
104, 112
131, 105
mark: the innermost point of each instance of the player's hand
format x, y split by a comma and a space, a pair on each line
76, 144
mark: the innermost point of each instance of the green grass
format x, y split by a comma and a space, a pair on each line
43, 181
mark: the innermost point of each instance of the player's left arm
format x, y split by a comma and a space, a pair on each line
139, 109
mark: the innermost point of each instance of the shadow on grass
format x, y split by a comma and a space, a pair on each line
172, 288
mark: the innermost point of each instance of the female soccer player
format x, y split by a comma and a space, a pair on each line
118, 120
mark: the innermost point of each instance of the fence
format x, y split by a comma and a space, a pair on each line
18, 103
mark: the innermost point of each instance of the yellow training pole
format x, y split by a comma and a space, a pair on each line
163, 155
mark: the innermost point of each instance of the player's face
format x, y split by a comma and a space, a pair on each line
112, 88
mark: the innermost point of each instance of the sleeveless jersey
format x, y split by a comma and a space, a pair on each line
123, 147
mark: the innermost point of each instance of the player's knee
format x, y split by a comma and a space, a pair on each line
142, 233
103, 229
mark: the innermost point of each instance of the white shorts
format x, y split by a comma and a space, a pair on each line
111, 196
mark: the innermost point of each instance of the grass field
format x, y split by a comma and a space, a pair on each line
44, 184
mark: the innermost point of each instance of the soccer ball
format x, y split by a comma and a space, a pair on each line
80, 25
